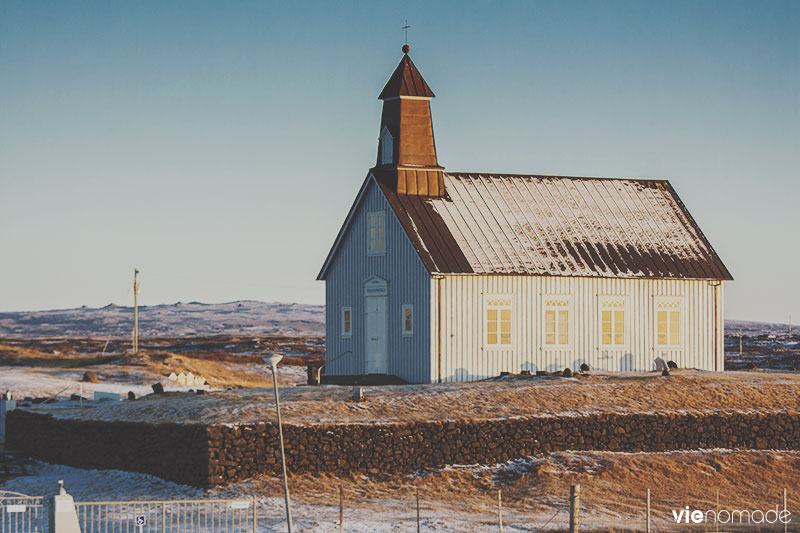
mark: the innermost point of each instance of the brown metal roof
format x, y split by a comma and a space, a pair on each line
560, 226
406, 81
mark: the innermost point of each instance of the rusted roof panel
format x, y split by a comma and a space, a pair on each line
560, 226
425, 227
406, 81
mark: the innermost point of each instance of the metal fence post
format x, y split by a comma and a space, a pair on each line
255, 514
500, 510
574, 508
418, 510
648, 511
163, 517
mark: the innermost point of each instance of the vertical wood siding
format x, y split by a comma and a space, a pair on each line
408, 282
465, 358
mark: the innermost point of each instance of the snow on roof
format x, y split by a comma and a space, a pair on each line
559, 226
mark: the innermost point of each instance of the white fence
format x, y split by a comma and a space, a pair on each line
212, 516
20, 513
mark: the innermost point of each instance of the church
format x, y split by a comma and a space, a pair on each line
439, 276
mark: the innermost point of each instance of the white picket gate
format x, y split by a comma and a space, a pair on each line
20, 513
168, 516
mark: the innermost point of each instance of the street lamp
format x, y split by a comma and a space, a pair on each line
272, 360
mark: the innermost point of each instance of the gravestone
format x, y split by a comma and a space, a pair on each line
107, 396
6, 404
358, 394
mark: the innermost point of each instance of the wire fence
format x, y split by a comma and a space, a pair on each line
650, 512
567, 511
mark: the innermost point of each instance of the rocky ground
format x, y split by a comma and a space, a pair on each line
509, 397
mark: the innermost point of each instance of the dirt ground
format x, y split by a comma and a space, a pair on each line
684, 390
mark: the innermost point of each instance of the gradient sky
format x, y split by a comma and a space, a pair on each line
217, 146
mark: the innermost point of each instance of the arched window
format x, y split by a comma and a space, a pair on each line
387, 146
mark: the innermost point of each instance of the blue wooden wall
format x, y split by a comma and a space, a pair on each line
409, 283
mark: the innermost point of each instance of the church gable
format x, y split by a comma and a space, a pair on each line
371, 229
474, 223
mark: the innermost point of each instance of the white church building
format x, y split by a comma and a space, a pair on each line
440, 276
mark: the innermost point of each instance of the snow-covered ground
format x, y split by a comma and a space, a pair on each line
311, 512
39, 382
43, 382
464, 498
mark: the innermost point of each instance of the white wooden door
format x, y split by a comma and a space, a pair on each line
376, 342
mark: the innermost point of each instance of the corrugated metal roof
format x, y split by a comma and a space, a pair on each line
406, 81
560, 226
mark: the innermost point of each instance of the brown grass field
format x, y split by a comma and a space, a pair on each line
613, 487
455, 498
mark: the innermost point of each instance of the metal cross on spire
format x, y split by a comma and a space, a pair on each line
405, 29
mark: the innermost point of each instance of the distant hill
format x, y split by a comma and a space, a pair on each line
195, 318
752, 328
180, 319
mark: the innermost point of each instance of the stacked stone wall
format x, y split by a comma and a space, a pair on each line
218, 454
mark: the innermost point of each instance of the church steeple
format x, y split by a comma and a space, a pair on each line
407, 151
406, 81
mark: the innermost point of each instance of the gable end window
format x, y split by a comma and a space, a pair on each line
498, 321
407, 316
556, 321
376, 233
347, 321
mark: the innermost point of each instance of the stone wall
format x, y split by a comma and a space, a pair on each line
218, 454
174, 452
241, 452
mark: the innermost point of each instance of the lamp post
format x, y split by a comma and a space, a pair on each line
272, 360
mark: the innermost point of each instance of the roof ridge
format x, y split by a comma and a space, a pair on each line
550, 176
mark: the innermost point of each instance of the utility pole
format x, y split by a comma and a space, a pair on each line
135, 310
740, 343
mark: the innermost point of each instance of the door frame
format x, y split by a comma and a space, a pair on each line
376, 287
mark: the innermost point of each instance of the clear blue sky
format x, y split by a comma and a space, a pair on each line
218, 145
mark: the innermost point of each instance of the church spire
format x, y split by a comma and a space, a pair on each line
407, 151
406, 80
